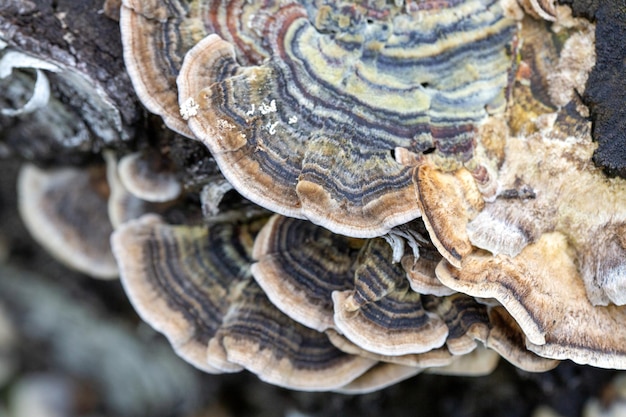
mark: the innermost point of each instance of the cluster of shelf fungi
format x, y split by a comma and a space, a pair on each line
403, 187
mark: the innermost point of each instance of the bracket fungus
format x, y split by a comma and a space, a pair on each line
65, 210
548, 300
381, 313
194, 285
354, 288
148, 176
425, 171
351, 289
299, 265
157, 34
311, 131
122, 205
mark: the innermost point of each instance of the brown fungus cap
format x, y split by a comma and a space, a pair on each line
327, 281
280, 351
149, 176
549, 184
180, 280
543, 291
151, 67
122, 205
381, 314
435, 357
421, 273
311, 132
156, 35
194, 285
299, 265
547, 181
466, 319
65, 210
448, 201
324, 280
503, 228
507, 338
478, 362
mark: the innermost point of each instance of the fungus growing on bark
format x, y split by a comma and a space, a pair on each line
360, 120
326, 281
65, 210
379, 377
193, 284
148, 176
446, 214
299, 265
122, 206
311, 131
542, 290
508, 339
381, 313
421, 272
559, 189
157, 34
373, 313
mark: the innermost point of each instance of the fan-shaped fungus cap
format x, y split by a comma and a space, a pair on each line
122, 206
156, 35
448, 201
421, 273
194, 285
180, 279
547, 181
280, 351
65, 210
300, 265
432, 358
504, 228
147, 26
478, 362
327, 110
381, 314
568, 194
543, 291
148, 176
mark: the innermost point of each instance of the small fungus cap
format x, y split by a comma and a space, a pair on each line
381, 376
299, 265
148, 176
381, 314
280, 351
65, 210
